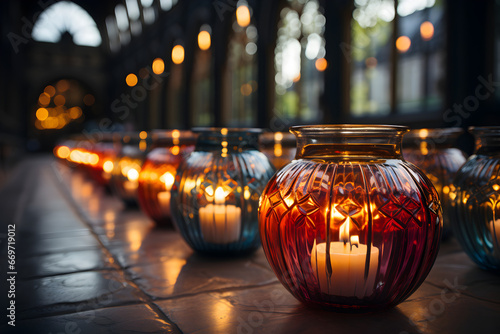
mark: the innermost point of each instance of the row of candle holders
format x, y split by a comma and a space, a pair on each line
349, 223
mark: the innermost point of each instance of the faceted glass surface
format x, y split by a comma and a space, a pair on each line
475, 208
350, 226
216, 191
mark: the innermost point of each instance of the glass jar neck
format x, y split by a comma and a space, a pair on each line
432, 138
349, 142
487, 139
227, 140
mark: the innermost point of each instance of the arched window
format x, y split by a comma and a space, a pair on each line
299, 60
65, 16
240, 75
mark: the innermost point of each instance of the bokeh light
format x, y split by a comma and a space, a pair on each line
178, 54
403, 43
131, 80
158, 66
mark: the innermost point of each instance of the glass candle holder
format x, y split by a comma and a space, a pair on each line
127, 167
432, 151
475, 209
349, 224
216, 192
279, 147
159, 170
106, 149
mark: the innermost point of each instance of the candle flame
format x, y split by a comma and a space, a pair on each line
168, 179
344, 231
354, 241
132, 174
220, 196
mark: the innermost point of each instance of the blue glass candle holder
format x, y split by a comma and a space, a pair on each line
475, 207
215, 197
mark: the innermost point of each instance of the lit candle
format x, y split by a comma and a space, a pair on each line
347, 260
164, 196
131, 184
220, 223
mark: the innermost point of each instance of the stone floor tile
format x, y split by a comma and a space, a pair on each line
122, 319
72, 293
62, 263
195, 274
272, 309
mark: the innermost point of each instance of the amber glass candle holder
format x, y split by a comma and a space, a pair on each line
159, 170
216, 192
432, 151
279, 147
475, 209
127, 167
349, 224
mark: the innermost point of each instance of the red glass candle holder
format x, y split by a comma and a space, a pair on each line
349, 224
159, 170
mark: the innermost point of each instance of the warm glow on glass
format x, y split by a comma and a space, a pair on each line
204, 40
278, 136
108, 166
143, 135
426, 30
321, 64
42, 114
158, 66
403, 43
176, 134
131, 80
178, 54
243, 16
223, 131
44, 99
63, 152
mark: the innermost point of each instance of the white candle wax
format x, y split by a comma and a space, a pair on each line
348, 261
164, 202
220, 223
164, 196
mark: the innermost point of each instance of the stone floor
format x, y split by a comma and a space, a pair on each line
87, 265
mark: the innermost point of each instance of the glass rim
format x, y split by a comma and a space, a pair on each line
220, 130
434, 132
484, 129
348, 129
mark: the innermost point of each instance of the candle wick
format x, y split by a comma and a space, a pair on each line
354, 245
